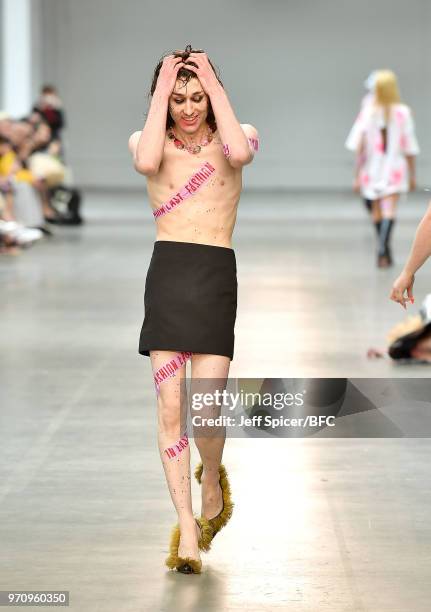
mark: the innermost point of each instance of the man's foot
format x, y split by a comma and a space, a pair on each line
212, 495
189, 537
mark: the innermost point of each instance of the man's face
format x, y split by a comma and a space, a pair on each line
188, 100
422, 349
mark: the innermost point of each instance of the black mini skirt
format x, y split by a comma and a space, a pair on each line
190, 299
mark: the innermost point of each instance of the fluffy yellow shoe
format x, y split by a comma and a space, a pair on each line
218, 522
188, 565
206, 533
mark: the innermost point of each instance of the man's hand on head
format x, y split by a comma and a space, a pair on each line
168, 74
203, 71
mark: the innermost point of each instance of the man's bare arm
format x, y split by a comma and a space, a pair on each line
421, 248
148, 150
229, 128
231, 132
420, 251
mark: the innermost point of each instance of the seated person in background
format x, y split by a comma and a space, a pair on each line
6, 193
64, 199
11, 166
25, 140
61, 204
5, 124
43, 141
50, 108
12, 233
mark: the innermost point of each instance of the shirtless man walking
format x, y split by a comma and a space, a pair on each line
192, 150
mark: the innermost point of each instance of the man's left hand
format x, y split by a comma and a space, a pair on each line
204, 72
404, 283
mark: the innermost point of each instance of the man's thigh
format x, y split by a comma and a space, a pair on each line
169, 375
210, 366
209, 376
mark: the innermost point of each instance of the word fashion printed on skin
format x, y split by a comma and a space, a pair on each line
198, 179
253, 142
169, 369
178, 447
226, 151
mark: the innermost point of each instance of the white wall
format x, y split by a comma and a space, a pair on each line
15, 56
36, 47
293, 68
20, 54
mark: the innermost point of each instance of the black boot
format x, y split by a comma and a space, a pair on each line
384, 252
377, 225
368, 204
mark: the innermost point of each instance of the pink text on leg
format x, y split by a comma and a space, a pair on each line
169, 369
178, 447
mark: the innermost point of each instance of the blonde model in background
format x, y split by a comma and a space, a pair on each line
367, 100
384, 140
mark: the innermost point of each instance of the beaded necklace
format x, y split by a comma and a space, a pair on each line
194, 149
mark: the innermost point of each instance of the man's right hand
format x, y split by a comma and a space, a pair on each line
403, 283
168, 74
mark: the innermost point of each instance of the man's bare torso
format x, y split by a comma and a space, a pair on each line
208, 215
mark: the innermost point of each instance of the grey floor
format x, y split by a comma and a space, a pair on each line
320, 524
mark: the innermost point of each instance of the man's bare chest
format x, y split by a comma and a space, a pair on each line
182, 175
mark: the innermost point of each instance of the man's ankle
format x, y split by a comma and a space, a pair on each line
210, 476
187, 522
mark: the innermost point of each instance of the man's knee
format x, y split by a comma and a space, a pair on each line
171, 415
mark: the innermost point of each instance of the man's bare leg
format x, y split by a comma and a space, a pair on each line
172, 409
210, 447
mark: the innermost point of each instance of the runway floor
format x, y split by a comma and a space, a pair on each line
319, 524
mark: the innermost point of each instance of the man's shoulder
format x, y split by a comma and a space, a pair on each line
133, 140
249, 130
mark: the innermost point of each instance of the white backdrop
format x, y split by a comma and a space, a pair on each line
292, 68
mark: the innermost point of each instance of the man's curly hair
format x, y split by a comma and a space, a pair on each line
185, 76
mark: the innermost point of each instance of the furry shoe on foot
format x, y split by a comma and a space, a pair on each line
219, 521
188, 565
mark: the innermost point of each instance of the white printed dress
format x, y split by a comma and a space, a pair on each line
383, 173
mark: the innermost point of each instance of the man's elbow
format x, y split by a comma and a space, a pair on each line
242, 160
146, 169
